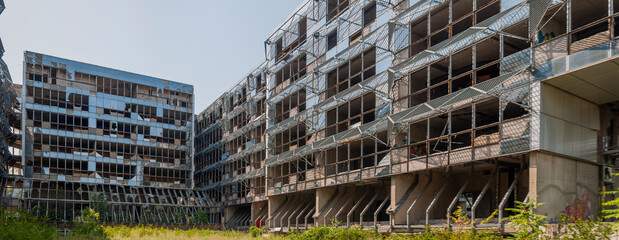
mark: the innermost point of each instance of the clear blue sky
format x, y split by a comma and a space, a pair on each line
210, 44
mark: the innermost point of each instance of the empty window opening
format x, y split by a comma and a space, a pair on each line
486, 113
461, 8
461, 119
418, 80
335, 7
369, 14
513, 111
331, 40
487, 11
513, 45
488, 73
439, 126
588, 12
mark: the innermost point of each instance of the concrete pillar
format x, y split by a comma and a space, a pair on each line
274, 205
565, 185
322, 199
229, 212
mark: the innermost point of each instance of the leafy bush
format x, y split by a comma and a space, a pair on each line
333, 232
24, 225
87, 225
529, 225
200, 217
578, 228
255, 231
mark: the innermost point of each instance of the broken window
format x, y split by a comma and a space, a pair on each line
335, 7
331, 40
369, 14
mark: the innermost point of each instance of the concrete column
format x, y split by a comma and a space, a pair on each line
323, 195
565, 185
274, 204
229, 212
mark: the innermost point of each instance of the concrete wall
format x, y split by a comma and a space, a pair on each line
564, 185
569, 124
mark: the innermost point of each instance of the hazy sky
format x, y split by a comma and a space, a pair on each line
210, 44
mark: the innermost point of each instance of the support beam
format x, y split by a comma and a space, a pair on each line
293, 213
482, 193
301, 214
354, 207
366, 208
326, 216
506, 197
438, 195
455, 199
408, 212
313, 211
378, 210
343, 207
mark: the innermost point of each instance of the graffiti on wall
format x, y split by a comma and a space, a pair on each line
579, 209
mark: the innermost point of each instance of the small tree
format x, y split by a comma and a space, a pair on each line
611, 208
100, 203
88, 224
528, 223
200, 217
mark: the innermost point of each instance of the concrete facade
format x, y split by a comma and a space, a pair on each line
385, 114
115, 141
425, 105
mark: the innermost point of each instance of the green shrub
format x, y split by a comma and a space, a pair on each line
255, 231
24, 225
529, 225
88, 225
335, 232
200, 217
578, 228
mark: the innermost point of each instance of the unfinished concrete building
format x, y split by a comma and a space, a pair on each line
9, 123
391, 114
94, 135
231, 150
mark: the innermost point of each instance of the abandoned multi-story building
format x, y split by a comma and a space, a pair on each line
9, 121
391, 114
385, 114
98, 134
